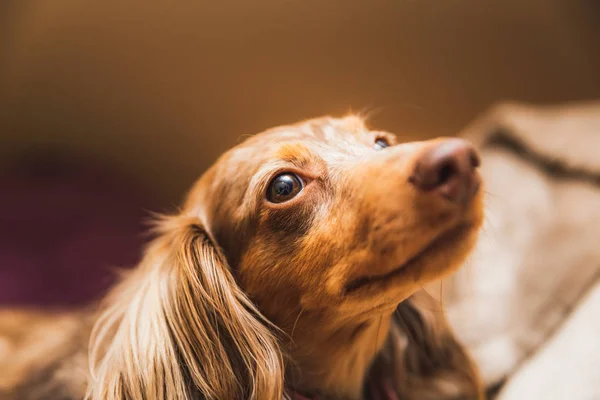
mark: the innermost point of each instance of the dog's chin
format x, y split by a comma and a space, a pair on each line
441, 256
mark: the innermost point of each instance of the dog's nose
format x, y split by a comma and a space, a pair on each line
448, 168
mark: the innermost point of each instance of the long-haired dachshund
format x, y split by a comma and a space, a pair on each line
294, 270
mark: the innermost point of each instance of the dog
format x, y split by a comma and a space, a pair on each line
294, 270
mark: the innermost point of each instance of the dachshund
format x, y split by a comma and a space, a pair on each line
294, 269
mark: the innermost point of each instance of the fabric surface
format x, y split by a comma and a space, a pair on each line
568, 365
64, 227
539, 251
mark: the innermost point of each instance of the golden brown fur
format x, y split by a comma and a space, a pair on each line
237, 297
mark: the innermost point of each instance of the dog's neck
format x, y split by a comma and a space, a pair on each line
333, 361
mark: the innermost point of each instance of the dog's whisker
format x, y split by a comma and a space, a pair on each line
295, 324
377, 337
369, 112
435, 302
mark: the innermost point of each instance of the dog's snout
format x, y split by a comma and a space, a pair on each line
448, 168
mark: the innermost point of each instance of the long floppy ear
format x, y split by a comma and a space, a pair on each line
179, 327
422, 358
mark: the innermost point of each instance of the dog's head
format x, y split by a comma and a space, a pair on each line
337, 219
321, 228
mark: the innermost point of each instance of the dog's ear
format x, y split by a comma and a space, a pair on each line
179, 327
422, 358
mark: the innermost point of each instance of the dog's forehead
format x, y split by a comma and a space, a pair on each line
325, 130
316, 136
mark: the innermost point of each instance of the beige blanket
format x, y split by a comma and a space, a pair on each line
528, 301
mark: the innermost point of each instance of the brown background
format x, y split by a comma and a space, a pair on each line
159, 89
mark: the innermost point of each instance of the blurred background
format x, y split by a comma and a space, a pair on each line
111, 109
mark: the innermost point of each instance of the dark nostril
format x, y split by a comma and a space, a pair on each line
448, 168
446, 171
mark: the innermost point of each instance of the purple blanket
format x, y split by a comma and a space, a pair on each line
64, 227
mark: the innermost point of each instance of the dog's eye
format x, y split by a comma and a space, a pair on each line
284, 187
381, 144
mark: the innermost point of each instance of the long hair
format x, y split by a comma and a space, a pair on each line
178, 327
422, 357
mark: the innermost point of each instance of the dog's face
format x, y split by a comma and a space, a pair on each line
336, 220
323, 227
